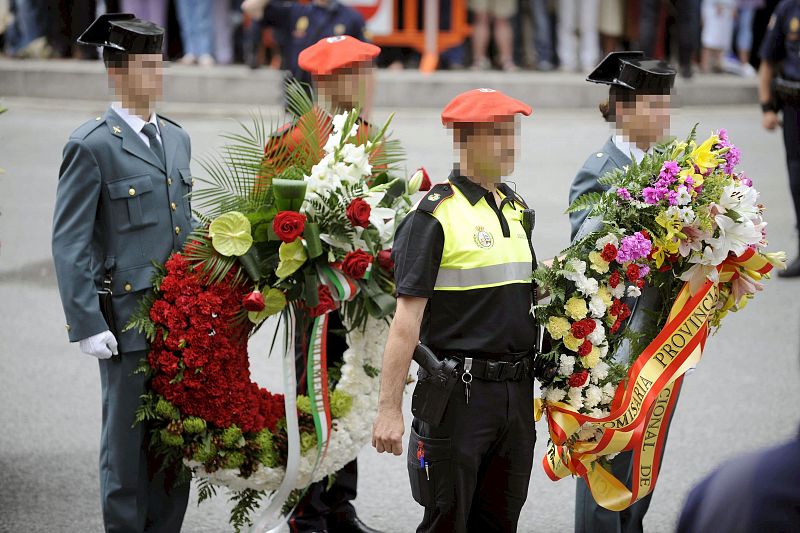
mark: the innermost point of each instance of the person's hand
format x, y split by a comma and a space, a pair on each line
103, 345
254, 8
387, 431
770, 120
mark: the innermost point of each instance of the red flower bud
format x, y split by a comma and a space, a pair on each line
254, 301
426, 181
385, 260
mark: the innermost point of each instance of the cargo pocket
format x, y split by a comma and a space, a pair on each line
433, 486
132, 202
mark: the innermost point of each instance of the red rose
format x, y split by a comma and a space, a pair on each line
582, 328
614, 279
578, 379
632, 272
609, 253
326, 302
355, 264
426, 180
254, 301
585, 348
288, 225
385, 260
358, 212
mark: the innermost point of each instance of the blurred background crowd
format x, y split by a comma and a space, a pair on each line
714, 36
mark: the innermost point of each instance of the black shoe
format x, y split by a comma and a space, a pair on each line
348, 523
792, 271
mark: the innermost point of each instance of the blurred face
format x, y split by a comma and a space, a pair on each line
348, 88
487, 149
645, 120
140, 81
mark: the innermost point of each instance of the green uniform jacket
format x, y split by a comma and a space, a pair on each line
117, 209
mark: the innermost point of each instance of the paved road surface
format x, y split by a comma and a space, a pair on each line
743, 396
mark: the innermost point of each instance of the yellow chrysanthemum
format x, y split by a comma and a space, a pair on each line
599, 264
572, 343
557, 326
591, 360
576, 308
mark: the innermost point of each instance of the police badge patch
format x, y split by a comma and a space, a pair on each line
483, 238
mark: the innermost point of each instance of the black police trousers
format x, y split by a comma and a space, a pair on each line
478, 461
791, 141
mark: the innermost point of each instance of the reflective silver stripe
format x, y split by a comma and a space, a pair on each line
488, 275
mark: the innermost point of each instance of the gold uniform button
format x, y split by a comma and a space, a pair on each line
177, 230
131, 192
599, 154
173, 206
169, 181
128, 287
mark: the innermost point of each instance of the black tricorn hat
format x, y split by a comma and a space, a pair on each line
124, 32
634, 71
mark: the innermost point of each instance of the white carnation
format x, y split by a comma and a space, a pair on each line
574, 270
598, 335
597, 413
593, 396
599, 372
587, 286
603, 350
575, 398
608, 392
566, 365
618, 291
587, 432
553, 394
634, 291
610, 238
597, 306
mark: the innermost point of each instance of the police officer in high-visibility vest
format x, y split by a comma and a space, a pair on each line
463, 266
779, 90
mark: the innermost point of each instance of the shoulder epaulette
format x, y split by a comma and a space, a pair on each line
82, 131
169, 120
596, 162
434, 198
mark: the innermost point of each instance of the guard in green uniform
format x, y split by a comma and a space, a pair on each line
463, 266
122, 203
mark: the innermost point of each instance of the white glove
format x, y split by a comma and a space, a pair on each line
103, 345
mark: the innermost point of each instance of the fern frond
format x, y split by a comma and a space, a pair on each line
585, 201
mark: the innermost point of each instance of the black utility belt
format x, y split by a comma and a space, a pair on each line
787, 91
492, 367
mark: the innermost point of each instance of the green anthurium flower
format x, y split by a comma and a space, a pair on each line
230, 234
292, 255
274, 302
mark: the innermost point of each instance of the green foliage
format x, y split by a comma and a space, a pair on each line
585, 201
371, 371
211, 263
245, 503
205, 490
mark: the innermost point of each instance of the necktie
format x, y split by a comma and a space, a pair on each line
149, 129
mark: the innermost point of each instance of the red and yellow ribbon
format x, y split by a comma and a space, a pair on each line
643, 404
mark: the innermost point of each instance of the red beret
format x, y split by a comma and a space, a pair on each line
332, 53
482, 105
